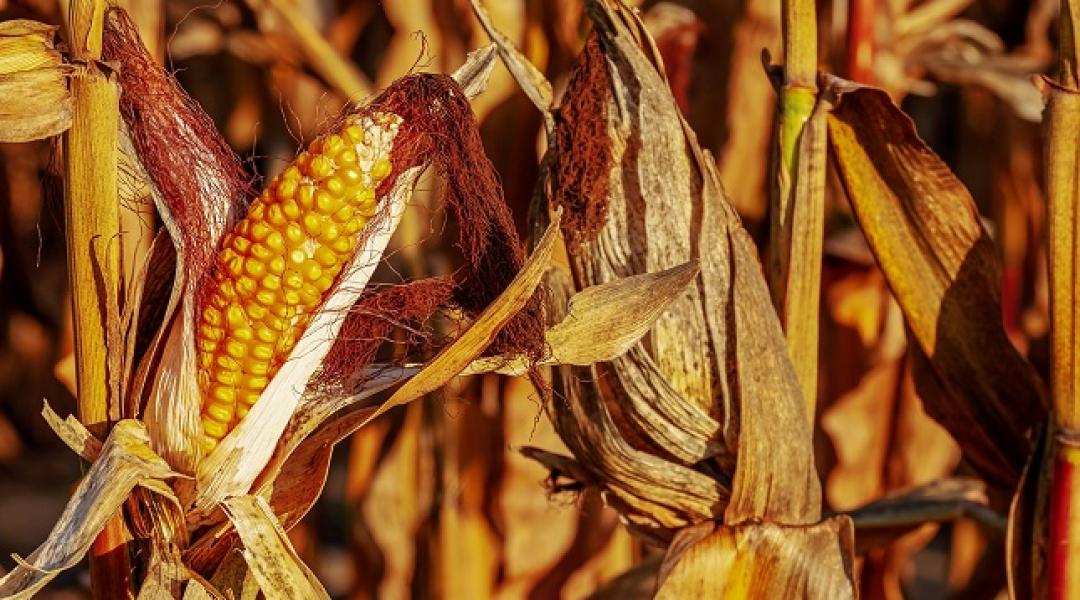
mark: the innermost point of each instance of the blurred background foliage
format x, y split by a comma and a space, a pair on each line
433, 500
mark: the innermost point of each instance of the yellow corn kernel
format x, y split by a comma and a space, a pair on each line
214, 429
275, 243
381, 169
305, 196
329, 233
329, 202
254, 382
222, 412
342, 245
291, 210
279, 262
266, 334
294, 235
312, 224
261, 252
287, 188
346, 158
325, 257
246, 286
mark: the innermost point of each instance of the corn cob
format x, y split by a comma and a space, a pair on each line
278, 264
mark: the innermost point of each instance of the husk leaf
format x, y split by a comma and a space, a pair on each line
760, 561
269, 554
126, 460
34, 99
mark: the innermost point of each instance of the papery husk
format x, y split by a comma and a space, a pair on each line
760, 561
925, 232
280, 573
718, 346
124, 462
34, 99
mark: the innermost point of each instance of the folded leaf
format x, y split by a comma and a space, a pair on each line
269, 554
761, 560
34, 98
925, 232
126, 460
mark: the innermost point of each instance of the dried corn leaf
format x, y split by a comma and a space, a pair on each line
126, 460
603, 321
34, 98
924, 230
531, 80
1028, 525
761, 560
882, 521
73, 433
269, 554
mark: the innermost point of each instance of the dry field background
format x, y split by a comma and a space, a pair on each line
437, 499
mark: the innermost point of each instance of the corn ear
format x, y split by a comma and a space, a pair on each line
278, 264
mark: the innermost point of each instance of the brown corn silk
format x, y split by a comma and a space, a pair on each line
200, 178
581, 132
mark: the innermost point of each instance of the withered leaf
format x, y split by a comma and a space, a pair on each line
269, 554
126, 460
604, 321
762, 560
34, 99
924, 230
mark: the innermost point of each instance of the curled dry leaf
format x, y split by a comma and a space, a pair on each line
603, 321
34, 98
925, 232
269, 554
126, 460
882, 521
760, 560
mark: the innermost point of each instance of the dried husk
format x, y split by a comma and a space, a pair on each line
660, 204
760, 561
925, 233
124, 462
641, 196
280, 573
34, 99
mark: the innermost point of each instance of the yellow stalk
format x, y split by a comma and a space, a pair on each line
92, 215
797, 210
1061, 120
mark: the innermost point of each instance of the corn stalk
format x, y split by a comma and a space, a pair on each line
92, 217
798, 199
1062, 118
